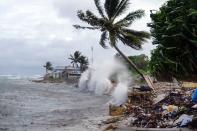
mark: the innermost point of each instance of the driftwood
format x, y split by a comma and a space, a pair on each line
149, 82
111, 120
152, 129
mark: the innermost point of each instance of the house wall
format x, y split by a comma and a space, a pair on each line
72, 73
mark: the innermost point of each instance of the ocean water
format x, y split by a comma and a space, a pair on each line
28, 106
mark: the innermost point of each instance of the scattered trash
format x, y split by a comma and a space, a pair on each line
145, 88
194, 106
193, 124
174, 108
159, 98
188, 84
184, 120
194, 96
170, 110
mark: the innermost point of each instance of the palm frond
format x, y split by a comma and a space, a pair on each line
99, 8
88, 17
129, 19
111, 7
140, 34
131, 41
103, 39
85, 27
122, 7
71, 57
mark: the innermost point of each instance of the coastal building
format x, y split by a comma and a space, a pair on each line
66, 72
58, 72
71, 72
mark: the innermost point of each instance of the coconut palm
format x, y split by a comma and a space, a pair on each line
75, 58
48, 66
83, 63
114, 29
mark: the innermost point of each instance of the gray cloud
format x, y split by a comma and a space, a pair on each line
68, 9
34, 31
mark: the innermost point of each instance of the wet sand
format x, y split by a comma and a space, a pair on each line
27, 106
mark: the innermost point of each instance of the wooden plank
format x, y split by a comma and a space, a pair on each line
146, 129
189, 85
153, 129
150, 83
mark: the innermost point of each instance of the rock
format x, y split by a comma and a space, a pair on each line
116, 110
110, 127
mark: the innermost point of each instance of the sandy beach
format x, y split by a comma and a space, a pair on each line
27, 106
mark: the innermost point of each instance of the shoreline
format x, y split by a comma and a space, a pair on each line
47, 81
58, 81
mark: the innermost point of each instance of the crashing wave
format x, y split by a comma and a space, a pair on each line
111, 77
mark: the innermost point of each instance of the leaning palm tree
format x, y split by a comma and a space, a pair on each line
75, 58
113, 29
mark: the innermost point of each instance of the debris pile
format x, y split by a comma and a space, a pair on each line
176, 107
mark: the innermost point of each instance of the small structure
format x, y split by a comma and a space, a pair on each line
71, 72
58, 72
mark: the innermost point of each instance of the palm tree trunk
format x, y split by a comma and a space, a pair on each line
129, 61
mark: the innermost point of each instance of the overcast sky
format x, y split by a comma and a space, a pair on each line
35, 31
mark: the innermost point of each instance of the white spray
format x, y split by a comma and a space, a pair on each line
109, 77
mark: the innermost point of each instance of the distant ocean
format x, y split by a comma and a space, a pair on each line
6, 80
19, 77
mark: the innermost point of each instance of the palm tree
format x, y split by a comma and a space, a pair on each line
113, 29
48, 66
83, 63
75, 58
